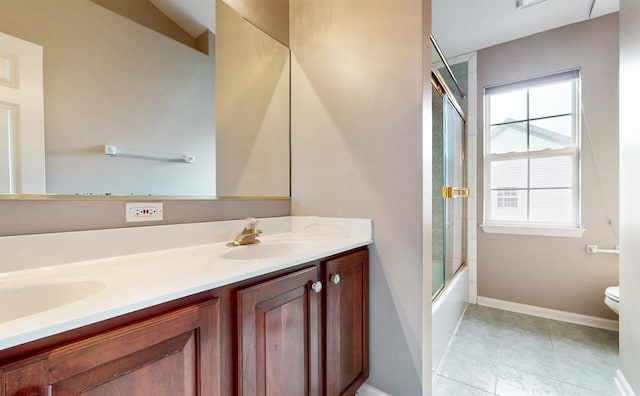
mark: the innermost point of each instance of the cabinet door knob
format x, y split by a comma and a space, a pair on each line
335, 279
316, 286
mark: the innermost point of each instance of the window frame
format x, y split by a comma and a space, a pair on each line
528, 227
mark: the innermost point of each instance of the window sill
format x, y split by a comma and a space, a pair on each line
533, 231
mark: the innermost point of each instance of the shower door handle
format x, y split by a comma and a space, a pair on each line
455, 192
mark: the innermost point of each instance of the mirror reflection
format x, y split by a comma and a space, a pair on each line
134, 105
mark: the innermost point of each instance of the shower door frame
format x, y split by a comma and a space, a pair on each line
438, 82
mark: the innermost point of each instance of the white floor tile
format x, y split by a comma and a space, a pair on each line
513, 382
527, 355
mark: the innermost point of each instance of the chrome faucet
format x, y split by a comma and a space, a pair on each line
248, 234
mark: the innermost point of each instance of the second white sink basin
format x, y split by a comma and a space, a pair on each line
269, 249
17, 301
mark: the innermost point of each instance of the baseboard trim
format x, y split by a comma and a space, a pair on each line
547, 313
368, 390
623, 385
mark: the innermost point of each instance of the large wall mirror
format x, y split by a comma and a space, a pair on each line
133, 104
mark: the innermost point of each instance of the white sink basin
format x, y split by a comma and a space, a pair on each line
17, 301
269, 249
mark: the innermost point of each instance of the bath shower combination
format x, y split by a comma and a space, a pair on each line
449, 191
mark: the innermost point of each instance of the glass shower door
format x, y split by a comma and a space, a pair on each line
454, 192
449, 189
437, 202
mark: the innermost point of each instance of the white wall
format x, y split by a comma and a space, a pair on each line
630, 193
357, 151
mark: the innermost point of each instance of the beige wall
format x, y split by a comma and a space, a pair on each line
252, 109
357, 136
271, 16
629, 193
37, 216
147, 14
47, 214
111, 81
556, 272
358, 150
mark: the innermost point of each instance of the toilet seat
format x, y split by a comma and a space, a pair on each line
612, 298
613, 292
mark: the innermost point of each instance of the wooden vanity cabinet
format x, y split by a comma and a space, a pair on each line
298, 331
176, 353
278, 336
306, 333
346, 319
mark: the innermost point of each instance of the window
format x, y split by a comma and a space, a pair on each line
532, 154
507, 199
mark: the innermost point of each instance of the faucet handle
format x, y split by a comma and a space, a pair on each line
251, 223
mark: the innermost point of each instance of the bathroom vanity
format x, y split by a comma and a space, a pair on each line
267, 319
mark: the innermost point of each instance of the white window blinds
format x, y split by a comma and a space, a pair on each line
532, 152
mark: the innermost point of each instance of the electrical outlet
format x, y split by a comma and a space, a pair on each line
143, 211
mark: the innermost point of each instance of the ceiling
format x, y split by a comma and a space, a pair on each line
462, 26
459, 26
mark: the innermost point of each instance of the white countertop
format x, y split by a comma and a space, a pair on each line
122, 284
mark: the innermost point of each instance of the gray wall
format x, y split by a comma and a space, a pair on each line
110, 81
357, 151
629, 193
556, 272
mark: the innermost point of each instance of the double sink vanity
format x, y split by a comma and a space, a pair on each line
173, 310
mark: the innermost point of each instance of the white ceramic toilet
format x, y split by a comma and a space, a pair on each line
612, 297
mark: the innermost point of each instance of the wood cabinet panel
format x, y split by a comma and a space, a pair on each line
173, 354
346, 320
278, 336
270, 336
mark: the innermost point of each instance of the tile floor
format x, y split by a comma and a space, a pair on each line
503, 353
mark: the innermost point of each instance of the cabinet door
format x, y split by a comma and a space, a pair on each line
346, 333
172, 354
278, 341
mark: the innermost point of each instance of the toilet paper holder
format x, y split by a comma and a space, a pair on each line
593, 249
